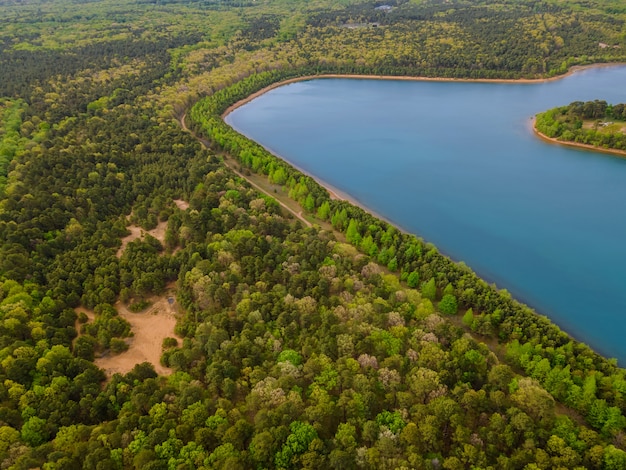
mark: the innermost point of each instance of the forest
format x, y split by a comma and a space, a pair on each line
593, 123
326, 339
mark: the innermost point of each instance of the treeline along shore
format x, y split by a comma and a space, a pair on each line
345, 345
531, 341
593, 125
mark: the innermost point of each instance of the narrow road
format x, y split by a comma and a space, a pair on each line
230, 163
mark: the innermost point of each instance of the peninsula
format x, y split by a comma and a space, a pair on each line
594, 125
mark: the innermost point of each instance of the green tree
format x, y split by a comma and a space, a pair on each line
297, 443
352, 233
323, 212
429, 289
413, 279
35, 431
448, 304
468, 317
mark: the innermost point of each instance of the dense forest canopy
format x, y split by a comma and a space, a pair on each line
310, 334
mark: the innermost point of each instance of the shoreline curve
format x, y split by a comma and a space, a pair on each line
337, 194
576, 145
530, 81
334, 192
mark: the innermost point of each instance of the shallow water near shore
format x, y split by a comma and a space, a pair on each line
457, 164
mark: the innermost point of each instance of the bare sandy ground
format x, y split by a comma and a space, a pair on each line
138, 233
182, 205
158, 232
149, 328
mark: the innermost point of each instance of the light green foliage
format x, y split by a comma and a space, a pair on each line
385, 343
614, 458
413, 279
323, 212
392, 420
279, 324
11, 140
278, 176
224, 456
309, 203
592, 123
468, 317
339, 219
448, 304
429, 289
369, 246
352, 233
35, 431
217, 420
302, 434
8, 436
291, 356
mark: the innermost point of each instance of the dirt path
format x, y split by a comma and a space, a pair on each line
182, 205
232, 164
254, 182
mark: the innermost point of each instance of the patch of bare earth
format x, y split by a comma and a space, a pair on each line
158, 232
91, 316
607, 127
182, 205
150, 327
138, 233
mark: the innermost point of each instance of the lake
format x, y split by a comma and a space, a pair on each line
457, 164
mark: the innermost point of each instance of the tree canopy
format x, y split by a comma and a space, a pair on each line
330, 340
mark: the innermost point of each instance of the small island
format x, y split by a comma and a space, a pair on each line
591, 124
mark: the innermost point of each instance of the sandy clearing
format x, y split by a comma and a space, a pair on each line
158, 232
182, 205
139, 233
90, 315
149, 328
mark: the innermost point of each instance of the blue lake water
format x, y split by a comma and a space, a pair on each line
457, 164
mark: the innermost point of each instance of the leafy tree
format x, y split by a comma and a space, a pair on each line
429, 289
297, 443
413, 279
448, 304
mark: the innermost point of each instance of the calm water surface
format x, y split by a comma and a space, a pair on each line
457, 164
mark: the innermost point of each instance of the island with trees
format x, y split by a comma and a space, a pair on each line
591, 124
309, 333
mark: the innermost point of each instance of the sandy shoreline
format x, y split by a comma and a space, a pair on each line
552, 140
332, 190
572, 70
336, 193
